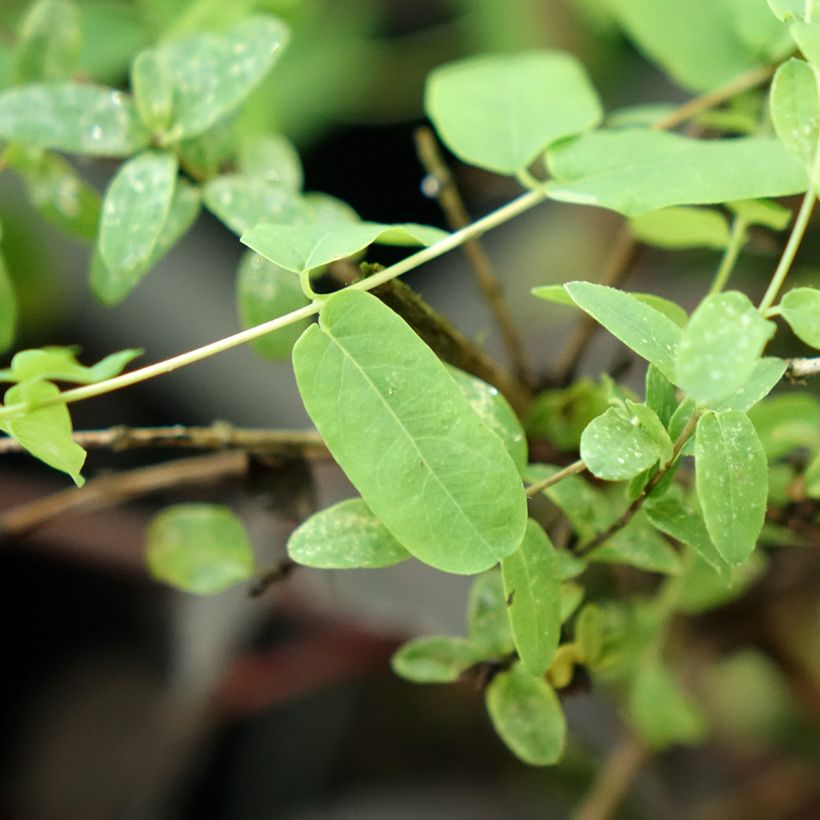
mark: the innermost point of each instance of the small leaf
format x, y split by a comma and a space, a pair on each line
589, 634
211, 152
681, 227
720, 347
327, 210
661, 711
404, 434
60, 364
788, 10
702, 588
639, 545
532, 592
487, 618
45, 432
272, 157
812, 478
48, 44
787, 422
242, 202
661, 395
615, 447
213, 73
495, 411
622, 170
300, 248
111, 288
571, 595
135, 208
437, 659
500, 112
807, 37
767, 373
527, 715
263, 292
794, 104
77, 119
199, 548
801, 309
763, 212
732, 483
8, 308
345, 536
642, 328
153, 86
653, 427
561, 415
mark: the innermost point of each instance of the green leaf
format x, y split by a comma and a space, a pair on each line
645, 330
213, 73
45, 432
681, 227
500, 112
637, 170
327, 210
571, 595
730, 37
590, 628
8, 308
302, 248
527, 715
720, 347
210, 152
111, 288
639, 545
787, 422
812, 478
437, 659
345, 536
790, 9
807, 37
702, 588
153, 85
405, 435
49, 42
794, 104
263, 292
487, 619
60, 364
77, 119
561, 415
650, 423
763, 212
732, 482
767, 373
271, 157
532, 588
495, 411
615, 447
56, 190
669, 514
801, 309
199, 548
661, 395
661, 711
135, 208
242, 202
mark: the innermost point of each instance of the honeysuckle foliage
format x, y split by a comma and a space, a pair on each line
675, 482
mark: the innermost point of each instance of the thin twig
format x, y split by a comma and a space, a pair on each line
111, 490
633, 508
218, 436
444, 189
798, 369
278, 572
573, 469
614, 782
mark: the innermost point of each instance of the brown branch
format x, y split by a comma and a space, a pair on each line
444, 189
633, 508
451, 344
614, 781
110, 490
799, 369
218, 436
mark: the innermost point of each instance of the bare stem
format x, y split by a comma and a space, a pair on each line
798, 369
448, 197
737, 238
573, 469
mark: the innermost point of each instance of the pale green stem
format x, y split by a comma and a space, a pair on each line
790, 251
453, 240
807, 10
737, 239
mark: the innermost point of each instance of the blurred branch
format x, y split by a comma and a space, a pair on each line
442, 186
109, 490
799, 369
615, 779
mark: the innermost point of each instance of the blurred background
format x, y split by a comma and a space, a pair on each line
124, 699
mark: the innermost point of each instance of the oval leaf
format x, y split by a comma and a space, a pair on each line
49, 42
732, 482
199, 548
152, 84
794, 104
500, 112
345, 536
404, 434
60, 364
767, 373
532, 586
77, 119
615, 447
487, 619
437, 659
272, 157
681, 228
801, 309
720, 347
640, 327
527, 715
621, 170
